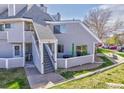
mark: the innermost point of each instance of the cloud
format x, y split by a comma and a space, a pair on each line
117, 10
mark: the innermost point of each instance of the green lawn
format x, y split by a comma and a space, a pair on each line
115, 75
13, 79
102, 50
71, 74
120, 54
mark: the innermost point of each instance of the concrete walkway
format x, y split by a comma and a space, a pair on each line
37, 80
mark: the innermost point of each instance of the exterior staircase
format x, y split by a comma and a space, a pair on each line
48, 66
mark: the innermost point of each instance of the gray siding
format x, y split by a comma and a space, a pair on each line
76, 34
5, 49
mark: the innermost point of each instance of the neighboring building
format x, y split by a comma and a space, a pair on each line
29, 35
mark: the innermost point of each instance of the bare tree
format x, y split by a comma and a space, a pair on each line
97, 21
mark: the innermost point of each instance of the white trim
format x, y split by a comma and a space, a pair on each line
62, 22
23, 44
41, 56
55, 54
93, 53
36, 32
14, 9
66, 65
7, 35
15, 19
14, 50
7, 64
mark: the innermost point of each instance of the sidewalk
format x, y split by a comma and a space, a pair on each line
37, 80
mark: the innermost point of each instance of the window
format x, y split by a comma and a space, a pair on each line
58, 29
17, 50
63, 28
60, 48
81, 50
7, 26
1, 27
29, 26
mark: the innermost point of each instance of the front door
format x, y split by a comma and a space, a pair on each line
28, 52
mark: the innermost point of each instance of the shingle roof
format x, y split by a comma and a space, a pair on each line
34, 13
44, 32
39, 17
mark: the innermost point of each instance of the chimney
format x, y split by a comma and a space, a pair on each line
58, 16
43, 8
11, 9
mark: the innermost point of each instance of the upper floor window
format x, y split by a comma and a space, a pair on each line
29, 26
7, 26
1, 27
58, 29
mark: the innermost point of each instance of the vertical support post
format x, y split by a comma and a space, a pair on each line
23, 43
93, 60
66, 64
55, 55
42, 60
7, 66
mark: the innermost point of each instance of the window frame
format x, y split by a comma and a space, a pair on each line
3, 27
55, 28
81, 49
7, 27
60, 48
15, 50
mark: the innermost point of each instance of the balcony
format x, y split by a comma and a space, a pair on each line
3, 35
28, 36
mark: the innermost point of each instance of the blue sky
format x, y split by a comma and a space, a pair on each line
70, 11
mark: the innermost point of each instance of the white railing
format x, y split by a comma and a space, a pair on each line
50, 54
3, 35
61, 63
74, 61
11, 62
36, 55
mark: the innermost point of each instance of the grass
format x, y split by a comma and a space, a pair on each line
13, 79
101, 50
120, 54
115, 75
71, 74
106, 61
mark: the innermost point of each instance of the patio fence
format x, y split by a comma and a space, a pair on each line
74, 61
11, 62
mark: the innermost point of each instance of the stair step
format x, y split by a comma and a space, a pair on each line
51, 70
48, 66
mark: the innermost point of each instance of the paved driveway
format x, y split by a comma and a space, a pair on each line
37, 80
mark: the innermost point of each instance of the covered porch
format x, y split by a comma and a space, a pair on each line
48, 50
46, 44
